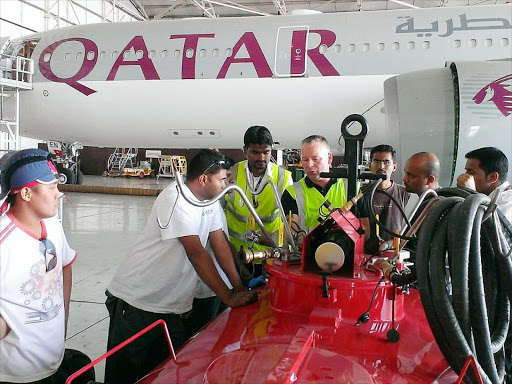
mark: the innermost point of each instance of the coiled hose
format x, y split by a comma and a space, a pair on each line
465, 282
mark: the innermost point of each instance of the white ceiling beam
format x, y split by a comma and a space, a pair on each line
140, 8
239, 7
281, 6
404, 4
209, 12
177, 5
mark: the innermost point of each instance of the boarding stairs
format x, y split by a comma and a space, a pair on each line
15, 75
120, 159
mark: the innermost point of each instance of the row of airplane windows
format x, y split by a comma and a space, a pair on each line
351, 48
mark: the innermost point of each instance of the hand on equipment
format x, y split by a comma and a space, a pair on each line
242, 298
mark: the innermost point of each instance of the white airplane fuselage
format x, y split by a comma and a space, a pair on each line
176, 83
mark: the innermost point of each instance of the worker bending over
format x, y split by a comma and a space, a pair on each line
157, 280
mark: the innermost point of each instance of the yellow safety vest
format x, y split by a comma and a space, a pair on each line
310, 199
238, 215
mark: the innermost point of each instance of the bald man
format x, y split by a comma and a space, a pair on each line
421, 172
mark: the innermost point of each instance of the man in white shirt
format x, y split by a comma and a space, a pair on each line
486, 172
35, 271
157, 280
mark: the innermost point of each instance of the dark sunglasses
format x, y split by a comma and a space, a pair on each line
50, 254
220, 162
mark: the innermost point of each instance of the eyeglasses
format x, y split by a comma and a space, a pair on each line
50, 254
379, 162
219, 162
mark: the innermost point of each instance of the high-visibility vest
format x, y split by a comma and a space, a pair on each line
309, 201
238, 215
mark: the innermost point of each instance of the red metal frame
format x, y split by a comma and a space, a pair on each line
124, 344
470, 360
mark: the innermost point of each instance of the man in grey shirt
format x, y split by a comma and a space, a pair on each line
383, 161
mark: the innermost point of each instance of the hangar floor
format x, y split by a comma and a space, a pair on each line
101, 229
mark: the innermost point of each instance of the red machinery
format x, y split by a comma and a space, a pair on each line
324, 319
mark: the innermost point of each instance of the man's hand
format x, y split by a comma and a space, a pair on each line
466, 181
242, 298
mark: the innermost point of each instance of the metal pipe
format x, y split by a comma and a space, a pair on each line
279, 205
417, 206
216, 198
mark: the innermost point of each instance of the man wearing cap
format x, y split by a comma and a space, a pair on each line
35, 271
257, 149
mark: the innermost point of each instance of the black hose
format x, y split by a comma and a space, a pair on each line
473, 317
369, 208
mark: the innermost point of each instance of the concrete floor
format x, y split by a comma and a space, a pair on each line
101, 229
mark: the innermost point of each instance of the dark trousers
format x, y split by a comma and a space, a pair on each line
141, 356
203, 311
73, 361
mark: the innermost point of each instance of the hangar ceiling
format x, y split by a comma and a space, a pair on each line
158, 9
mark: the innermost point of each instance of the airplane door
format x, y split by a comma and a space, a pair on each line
290, 54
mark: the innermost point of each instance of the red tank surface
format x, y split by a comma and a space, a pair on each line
303, 328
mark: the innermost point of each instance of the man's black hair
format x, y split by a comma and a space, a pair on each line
229, 161
205, 161
258, 135
383, 148
491, 160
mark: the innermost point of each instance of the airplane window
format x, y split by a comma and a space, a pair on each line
114, 54
215, 52
504, 42
488, 42
426, 45
337, 48
366, 47
126, 54
177, 53
90, 55
200, 133
79, 56
410, 45
190, 53
351, 48
202, 53
139, 54
380, 47
67, 56
456, 44
472, 43
229, 51
323, 49
47, 57
102, 54
396, 46
164, 54
151, 54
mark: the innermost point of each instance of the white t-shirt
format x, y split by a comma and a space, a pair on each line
31, 301
504, 202
157, 275
202, 290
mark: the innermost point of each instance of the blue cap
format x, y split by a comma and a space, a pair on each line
23, 167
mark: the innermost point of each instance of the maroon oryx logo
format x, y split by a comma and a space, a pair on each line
498, 93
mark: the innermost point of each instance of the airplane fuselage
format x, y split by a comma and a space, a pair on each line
176, 83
